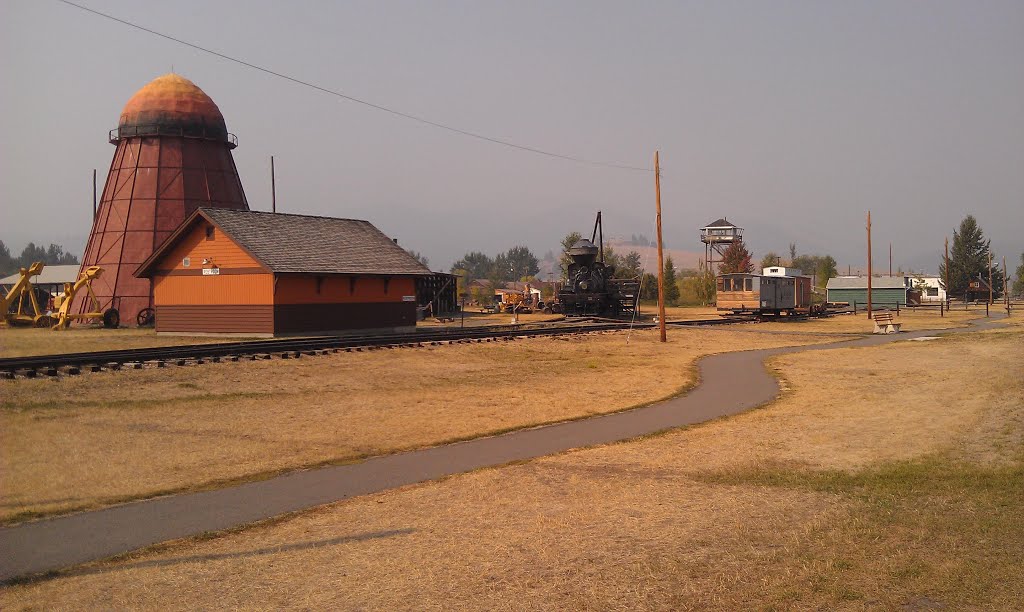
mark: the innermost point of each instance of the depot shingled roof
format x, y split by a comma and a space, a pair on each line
306, 244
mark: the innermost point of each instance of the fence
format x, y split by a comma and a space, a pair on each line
942, 307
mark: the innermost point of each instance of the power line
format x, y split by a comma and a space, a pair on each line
343, 96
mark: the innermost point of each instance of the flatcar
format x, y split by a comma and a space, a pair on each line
769, 294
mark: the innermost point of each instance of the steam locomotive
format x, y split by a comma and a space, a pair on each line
591, 288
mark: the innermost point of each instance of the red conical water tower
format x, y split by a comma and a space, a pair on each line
173, 156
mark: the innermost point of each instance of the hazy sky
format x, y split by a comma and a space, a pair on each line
790, 118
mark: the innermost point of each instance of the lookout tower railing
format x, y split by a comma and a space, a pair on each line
719, 235
198, 132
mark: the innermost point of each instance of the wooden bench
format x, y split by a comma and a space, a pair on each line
884, 324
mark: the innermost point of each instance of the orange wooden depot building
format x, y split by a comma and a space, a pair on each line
257, 273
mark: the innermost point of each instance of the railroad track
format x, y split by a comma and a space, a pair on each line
290, 348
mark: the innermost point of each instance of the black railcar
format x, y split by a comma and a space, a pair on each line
591, 288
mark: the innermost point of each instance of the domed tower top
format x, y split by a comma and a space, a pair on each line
174, 106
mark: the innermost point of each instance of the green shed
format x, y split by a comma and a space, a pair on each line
885, 290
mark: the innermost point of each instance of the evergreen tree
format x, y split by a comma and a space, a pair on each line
671, 288
1018, 284
631, 266
707, 288
53, 255
8, 265
31, 253
736, 258
649, 287
968, 259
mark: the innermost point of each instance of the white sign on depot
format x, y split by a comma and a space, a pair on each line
408, 298
211, 271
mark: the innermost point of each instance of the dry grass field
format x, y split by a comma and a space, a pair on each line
97, 439
23, 341
884, 478
860, 324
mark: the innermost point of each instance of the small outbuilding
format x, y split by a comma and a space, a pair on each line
257, 273
437, 294
929, 286
51, 279
885, 290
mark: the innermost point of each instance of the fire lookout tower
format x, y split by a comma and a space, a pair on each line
717, 236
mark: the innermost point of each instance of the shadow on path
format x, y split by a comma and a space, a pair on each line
259, 552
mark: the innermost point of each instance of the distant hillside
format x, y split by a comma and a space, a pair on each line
649, 255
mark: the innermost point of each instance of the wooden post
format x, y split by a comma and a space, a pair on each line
94, 193
869, 264
273, 187
661, 260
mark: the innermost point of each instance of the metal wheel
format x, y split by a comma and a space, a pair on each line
146, 318
111, 318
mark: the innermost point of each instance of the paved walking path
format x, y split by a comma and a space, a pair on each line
729, 383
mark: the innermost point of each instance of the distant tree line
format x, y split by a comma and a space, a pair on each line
822, 267
515, 264
640, 240
53, 255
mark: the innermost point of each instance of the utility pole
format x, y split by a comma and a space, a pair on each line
94, 193
948, 296
890, 259
273, 187
990, 298
661, 260
869, 265
1006, 292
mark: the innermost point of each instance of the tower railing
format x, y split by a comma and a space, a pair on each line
197, 132
730, 236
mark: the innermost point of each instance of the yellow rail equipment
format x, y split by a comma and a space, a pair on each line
110, 316
17, 295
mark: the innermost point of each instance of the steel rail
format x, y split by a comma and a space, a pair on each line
52, 363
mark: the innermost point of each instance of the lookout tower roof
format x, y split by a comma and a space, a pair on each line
721, 223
